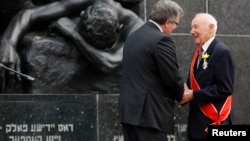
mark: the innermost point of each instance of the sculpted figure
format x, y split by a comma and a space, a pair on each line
99, 34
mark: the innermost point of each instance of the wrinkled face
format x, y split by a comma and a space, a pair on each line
201, 30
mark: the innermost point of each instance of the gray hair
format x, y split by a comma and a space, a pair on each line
165, 10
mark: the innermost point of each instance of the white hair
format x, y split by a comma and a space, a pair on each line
210, 19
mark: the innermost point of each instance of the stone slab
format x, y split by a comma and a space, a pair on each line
48, 118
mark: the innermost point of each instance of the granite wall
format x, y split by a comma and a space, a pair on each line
93, 117
234, 30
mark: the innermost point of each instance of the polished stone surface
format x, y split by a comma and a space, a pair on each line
108, 125
233, 18
62, 117
75, 117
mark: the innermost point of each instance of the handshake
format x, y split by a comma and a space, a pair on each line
187, 96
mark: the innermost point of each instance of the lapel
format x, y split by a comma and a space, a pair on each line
209, 51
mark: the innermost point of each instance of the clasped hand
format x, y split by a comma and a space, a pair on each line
187, 96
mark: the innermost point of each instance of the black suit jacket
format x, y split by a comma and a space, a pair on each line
151, 81
216, 82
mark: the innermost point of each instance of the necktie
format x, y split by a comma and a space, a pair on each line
199, 57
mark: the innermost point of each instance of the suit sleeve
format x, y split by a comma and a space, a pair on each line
168, 67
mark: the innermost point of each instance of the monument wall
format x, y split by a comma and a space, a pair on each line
78, 111
234, 30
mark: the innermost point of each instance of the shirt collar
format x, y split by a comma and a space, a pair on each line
206, 45
156, 25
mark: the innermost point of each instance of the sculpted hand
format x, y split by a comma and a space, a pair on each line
187, 96
66, 26
10, 58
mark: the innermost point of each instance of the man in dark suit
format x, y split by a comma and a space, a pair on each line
151, 80
211, 81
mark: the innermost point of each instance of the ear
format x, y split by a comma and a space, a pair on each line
211, 27
167, 23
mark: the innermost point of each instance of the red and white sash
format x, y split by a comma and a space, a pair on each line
209, 109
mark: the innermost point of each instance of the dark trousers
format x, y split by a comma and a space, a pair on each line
135, 133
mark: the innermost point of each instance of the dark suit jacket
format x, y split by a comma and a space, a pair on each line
151, 80
216, 83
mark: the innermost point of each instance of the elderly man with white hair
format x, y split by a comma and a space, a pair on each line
211, 79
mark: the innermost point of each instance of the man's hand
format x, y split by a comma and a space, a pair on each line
187, 96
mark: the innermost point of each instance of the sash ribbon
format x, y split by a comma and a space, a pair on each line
209, 109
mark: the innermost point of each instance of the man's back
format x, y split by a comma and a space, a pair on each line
149, 101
